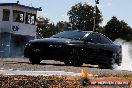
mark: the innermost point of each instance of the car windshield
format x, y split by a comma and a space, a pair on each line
77, 35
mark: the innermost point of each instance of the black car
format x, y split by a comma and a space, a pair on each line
75, 48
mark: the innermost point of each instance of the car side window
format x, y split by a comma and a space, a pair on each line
94, 38
105, 40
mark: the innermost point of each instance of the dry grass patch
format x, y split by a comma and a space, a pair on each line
24, 81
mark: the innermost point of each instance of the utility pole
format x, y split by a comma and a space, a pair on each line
95, 7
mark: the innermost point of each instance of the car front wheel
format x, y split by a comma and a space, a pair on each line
77, 63
68, 63
73, 63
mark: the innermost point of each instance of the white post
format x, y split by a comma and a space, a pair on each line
94, 26
94, 16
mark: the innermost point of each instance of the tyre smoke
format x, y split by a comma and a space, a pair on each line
12, 45
126, 55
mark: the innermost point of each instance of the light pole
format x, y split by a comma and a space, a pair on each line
94, 26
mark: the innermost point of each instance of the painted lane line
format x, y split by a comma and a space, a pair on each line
2, 68
44, 73
11, 69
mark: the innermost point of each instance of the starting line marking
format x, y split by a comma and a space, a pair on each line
44, 73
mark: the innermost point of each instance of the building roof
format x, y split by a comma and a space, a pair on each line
19, 5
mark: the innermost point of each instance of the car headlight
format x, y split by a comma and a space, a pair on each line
28, 44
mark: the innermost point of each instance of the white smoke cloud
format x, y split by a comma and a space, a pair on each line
126, 55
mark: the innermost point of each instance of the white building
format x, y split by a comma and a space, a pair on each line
17, 26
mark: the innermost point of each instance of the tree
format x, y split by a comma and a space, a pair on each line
44, 28
100, 29
61, 26
81, 16
117, 29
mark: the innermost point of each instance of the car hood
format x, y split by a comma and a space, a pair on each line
51, 40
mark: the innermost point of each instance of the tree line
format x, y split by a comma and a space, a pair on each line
81, 17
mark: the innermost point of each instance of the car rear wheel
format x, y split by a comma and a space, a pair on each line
106, 67
110, 65
35, 60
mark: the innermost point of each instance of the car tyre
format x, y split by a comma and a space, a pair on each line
77, 63
107, 66
34, 60
68, 63
75, 59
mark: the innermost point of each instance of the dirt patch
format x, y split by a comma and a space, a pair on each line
23, 81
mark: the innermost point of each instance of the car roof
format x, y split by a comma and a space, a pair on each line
89, 32
84, 31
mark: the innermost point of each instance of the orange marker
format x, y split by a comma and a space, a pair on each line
84, 73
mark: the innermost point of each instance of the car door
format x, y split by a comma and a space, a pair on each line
92, 45
105, 50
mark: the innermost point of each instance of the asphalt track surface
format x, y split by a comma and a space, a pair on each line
19, 65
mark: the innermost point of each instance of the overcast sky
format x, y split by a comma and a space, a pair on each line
56, 10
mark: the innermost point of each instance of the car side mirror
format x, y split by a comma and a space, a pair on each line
86, 41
